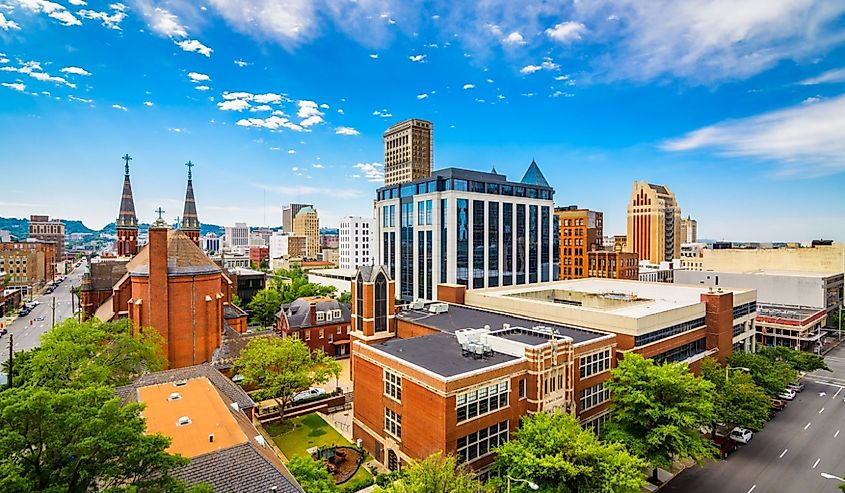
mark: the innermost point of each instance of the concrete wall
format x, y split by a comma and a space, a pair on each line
821, 259
771, 288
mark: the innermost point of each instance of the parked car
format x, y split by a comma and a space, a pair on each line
24, 312
308, 394
741, 435
795, 387
3, 331
725, 445
787, 394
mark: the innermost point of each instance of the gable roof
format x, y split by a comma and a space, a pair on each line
369, 272
533, 176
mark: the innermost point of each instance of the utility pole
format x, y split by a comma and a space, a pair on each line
54, 313
11, 357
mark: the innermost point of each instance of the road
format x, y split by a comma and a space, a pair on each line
27, 335
791, 452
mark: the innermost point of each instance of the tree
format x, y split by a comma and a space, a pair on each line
293, 284
436, 474
738, 400
237, 301
771, 376
280, 368
71, 439
312, 475
345, 298
658, 410
798, 360
264, 305
553, 451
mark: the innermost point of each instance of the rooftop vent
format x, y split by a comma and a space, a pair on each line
418, 304
174, 396
183, 421
211, 438
438, 308
180, 383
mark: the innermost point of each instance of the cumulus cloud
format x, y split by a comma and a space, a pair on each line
291, 151
202, 88
198, 77
241, 63
514, 38
289, 23
374, 55
7, 24
75, 71
317, 165
148, 103
309, 112
193, 45
831, 76
119, 107
165, 22
373, 172
469, 86
109, 20
52, 9
567, 32
804, 140
382, 113
530, 69
17, 86
233, 105
417, 58
422, 96
346, 131
267, 98
271, 123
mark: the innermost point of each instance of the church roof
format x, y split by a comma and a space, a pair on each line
189, 213
126, 217
533, 176
184, 258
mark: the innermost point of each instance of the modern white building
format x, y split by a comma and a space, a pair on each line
237, 237
341, 279
356, 242
467, 227
286, 245
210, 243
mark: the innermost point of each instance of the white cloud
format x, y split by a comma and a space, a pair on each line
308, 110
559, 93
804, 140
267, 98
835, 75
469, 86
291, 151
233, 105
75, 71
176, 130
812, 99
567, 32
52, 9
238, 95
271, 123
78, 3
373, 172
374, 56
422, 96
198, 77
530, 69
382, 113
202, 88
193, 45
317, 165
165, 23
14, 85
489, 81
514, 38
549, 64
241, 63
561, 77
417, 58
263, 107
289, 23
340, 110
148, 103
81, 100
346, 131
6, 24
109, 20
119, 107
324, 106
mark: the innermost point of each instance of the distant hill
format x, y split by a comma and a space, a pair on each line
20, 227
143, 227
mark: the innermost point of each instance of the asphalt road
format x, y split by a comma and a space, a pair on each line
28, 329
790, 453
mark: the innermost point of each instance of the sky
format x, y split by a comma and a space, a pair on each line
737, 107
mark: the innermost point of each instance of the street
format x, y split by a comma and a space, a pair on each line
791, 452
28, 336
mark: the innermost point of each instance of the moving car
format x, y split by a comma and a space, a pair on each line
725, 445
787, 394
741, 435
308, 394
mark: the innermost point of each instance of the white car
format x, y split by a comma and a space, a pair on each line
308, 394
741, 435
787, 394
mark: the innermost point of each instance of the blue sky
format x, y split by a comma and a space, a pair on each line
739, 107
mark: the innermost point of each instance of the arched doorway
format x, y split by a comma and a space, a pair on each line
392, 460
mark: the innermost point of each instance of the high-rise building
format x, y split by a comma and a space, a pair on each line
408, 151
306, 223
654, 223
237, 237
53, 231
581, 231
190, 222
127, 222
356, 242
467, 227
288, 213
689, 230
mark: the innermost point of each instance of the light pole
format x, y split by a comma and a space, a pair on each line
831, 476
531, 485
735, 368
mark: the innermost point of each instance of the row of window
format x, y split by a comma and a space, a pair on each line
306, 333
744, 309
480, 401
329, 315
594, 363
667, 332
681, 353
593, 396
460, 185
482, 442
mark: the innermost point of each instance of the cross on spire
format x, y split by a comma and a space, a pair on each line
126, 158
160, 211
189, 165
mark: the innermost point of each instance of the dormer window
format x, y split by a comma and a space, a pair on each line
336, 314
321, 316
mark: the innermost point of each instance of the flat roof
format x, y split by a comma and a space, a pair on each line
201, 403
441, 354
464, 317
790, 273
336, 273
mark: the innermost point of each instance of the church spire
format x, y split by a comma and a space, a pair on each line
190, 222
127, 221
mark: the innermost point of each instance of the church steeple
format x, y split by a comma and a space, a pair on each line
127, 222
190, 222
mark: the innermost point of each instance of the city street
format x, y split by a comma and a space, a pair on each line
28, 336
791, 452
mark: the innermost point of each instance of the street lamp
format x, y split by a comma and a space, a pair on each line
831, 476
735, 368
531, 485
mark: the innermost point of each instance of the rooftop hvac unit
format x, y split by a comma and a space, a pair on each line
184, 420
438, 308
174, 396
418, 304
461, 334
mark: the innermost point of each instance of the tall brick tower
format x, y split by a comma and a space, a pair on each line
190, 222
127, 222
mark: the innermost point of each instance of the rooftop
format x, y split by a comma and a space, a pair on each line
184, 257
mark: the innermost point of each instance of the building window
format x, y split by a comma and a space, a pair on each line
336, 314
470, 405
380, 303
593, 396
478, 243
321, 316
668, 332
482, 442
392, 385
462, 211
738, 329
444, 247
392, 423
322, 333
307, 335
594, 363
522, 388
683, 352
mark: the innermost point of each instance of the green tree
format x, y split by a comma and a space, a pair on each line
71, 439
771, 376
436, 474
312, 475
553, 451
293, 284
798, 360
345, 298
738, 400
265, 305
237, 301
658, 410
282, 367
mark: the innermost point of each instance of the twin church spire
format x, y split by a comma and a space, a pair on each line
127, 220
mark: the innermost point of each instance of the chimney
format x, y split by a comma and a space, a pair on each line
158, 301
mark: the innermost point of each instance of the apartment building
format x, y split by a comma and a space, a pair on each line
355, 245
320, 322
408, 151
581, 232
50, 230
654, 223
613, 265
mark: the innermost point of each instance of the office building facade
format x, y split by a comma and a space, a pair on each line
237, 237
306, 223
613, 265
581, 231
356, 246
51, 230
654, 223
689, 230
288, 213
408, 151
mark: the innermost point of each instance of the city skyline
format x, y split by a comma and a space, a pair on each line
743, 121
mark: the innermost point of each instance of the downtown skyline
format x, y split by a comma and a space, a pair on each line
742, 120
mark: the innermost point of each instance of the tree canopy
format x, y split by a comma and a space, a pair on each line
798, 360
658, 410
553, 451
436, 474
264, 306
287, 286
771, 376
738, 400
282, 367
312, 475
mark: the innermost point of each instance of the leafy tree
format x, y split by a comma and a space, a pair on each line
771, 376
237, 301
658, 410
282, 367
738, 400
264, 305
436, 474
345, 298
293, 284
312, 475
73, 439
553, 451
798, 360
